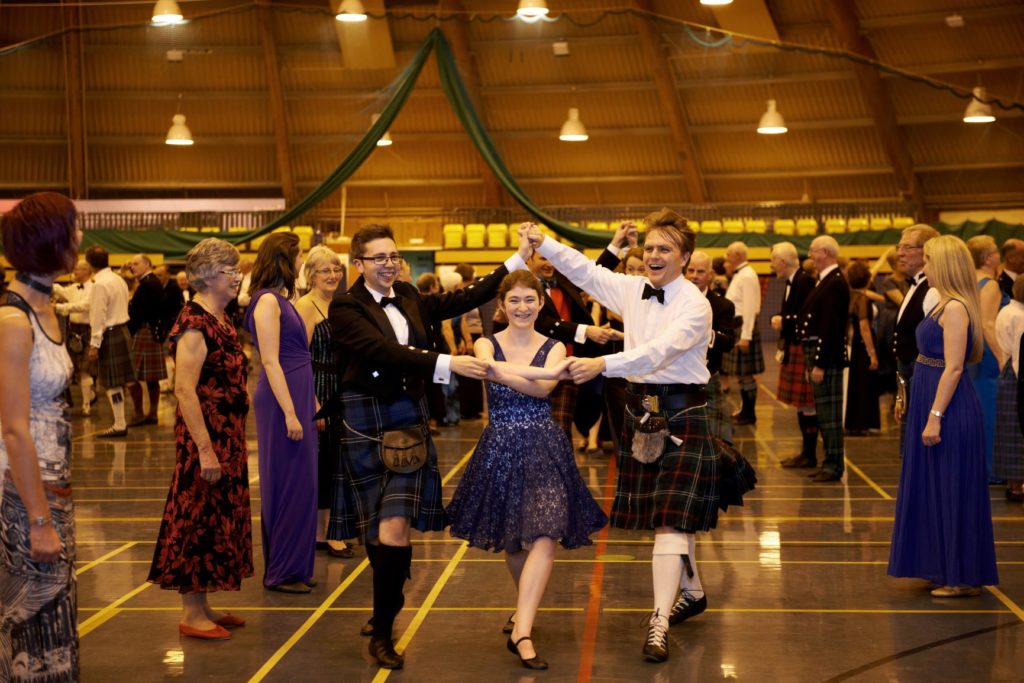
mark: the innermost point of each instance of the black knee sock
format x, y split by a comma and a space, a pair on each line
809, 429
371, 553
389, 575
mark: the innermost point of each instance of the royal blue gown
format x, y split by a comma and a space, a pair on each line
943, 526
522, 482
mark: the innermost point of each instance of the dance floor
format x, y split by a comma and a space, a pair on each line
796, 585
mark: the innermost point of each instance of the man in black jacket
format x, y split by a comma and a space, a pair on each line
1012, 256
910, 255
382, 330
148, 333
822, 325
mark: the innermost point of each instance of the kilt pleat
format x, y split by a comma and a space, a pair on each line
373, 491
719, 417
794, 389
148, 356
828, 404
738, 362
116, 366
563, 405
81, 359
1008, 450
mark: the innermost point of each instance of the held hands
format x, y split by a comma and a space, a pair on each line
294, 427
744, 345
603, 334
930, 436
94, 353
584, 369
627, 235
530, 232
210, 465
818, 375
470, 366
44, 543
776, 322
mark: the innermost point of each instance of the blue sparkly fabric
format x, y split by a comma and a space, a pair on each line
522, 482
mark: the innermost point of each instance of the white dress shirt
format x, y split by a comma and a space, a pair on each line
1009, 328
664, 343
745, 293
77, 306
108, 304
443, 367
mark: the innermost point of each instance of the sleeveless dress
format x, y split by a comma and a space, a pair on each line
985, 375
862, 411
522, 482
38, 612
943, 526
326, 383
205, 539
287, 468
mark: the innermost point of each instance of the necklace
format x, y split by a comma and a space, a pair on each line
31, 282
199, 299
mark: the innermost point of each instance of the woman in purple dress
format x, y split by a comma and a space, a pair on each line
284, 404
943, 526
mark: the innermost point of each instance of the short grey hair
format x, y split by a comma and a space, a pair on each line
828, 244
787, 252
738, 248
318, 257
204, 261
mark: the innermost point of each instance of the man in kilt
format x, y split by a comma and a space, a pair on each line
110, 341
76, 308
667, 324
822, 327
746, 358
794, 385
723, 337
145, 322
381, 328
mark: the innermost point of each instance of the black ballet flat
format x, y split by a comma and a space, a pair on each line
535, 662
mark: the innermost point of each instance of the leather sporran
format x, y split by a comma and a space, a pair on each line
75, 343
404, 450
649, 434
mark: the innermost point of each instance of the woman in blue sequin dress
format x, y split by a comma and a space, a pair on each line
522, 491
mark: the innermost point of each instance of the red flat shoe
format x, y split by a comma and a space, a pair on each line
215, 633
229, 620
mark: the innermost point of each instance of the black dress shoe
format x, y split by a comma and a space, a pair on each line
510, 624
656, 645
112, 433
383, 650
826, 476
344, 553
294, 588
534, 662
686, 606
799, 461
367, 629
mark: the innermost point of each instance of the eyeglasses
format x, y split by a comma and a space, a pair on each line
231, 273
381, 260
907, 247
330, 271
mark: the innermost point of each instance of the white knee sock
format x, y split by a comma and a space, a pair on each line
85, 381
667, 569
692, 583
116, 397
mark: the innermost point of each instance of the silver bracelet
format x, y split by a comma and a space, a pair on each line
935, 413
42, 521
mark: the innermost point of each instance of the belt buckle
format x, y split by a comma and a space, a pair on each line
650, 403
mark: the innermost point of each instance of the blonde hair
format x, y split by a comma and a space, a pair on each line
981, 247
951, 273
318, 257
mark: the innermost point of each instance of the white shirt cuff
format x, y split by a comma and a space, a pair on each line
581, 334
614, 366
513, 263
443, 368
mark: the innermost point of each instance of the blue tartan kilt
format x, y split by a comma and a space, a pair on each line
1008, 451
738, 362
374, 492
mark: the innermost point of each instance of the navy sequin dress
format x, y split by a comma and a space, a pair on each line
522, 482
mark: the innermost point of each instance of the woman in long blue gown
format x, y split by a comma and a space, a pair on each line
943, 526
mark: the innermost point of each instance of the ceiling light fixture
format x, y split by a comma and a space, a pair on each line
351, 12
716, 3
977, 111
385, 140
167, 13
573, 129
532, 10
771, 122
178, 133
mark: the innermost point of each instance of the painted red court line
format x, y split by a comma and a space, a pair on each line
596, 579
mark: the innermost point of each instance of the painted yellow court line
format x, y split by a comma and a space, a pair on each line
772, 563
108, 612
368, 608
783, 610
458, 466
869, 480
1005, 599
421, 613
104, 558
308, 624
127, 520
776, 519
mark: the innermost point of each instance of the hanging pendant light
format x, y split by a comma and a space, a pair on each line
772, 122
167, 13
385, 140
178, 133
716, 3
532, 10
573, 129
351, 12
977, 111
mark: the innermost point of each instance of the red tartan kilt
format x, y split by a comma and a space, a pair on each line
148, 357
794, 388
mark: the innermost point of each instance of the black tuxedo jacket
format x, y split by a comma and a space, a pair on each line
550, 323
723, 323
146, 305
905, 338
801, 287
1006, 284
375, 363
824, 318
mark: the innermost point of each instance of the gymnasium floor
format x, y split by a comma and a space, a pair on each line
796, 584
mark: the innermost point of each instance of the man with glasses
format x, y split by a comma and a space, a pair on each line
910, 256
148, 334
382, 330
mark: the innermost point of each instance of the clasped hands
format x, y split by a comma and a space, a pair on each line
579, 370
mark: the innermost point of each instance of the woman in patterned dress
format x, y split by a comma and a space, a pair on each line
38, 620
205, 539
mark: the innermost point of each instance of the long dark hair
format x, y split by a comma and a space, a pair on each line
275, 263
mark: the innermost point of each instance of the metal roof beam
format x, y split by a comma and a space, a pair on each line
74, 88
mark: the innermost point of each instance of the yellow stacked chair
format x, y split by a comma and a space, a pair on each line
756, 225
733, 225
497, 235
858, 224
711, 227
806, 226
452, 235
881, 223
784, 226
476, 234
835, 226
901, 222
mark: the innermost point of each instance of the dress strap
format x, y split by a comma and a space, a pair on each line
317, 308
541, 356
499, 354
984, 281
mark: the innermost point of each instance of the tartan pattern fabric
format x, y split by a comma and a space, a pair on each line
680, 489
116, 366
563, 406
739, 363
148, 356
81, 360
828, 403
1008, 448
719, 417
367, 491
794, 389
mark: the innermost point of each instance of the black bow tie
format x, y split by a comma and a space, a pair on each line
385, 300
548, 284
81, 286
652, 293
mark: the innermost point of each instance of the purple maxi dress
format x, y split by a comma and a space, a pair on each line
287, 468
